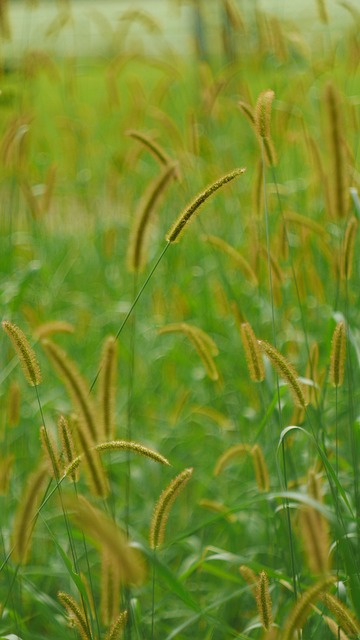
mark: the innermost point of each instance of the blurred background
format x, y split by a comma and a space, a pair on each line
89, 27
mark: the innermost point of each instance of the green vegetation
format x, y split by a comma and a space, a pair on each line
185, 462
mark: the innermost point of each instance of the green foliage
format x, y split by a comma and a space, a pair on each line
71, 182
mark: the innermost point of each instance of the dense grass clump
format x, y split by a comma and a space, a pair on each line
189, 465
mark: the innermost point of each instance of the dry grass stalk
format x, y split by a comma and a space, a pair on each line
76, 615
338, 355
77, 387
339, 180
107, 387
26, 354
235, 256
108, 536
24, 521
263, 601
163, 506
117, 627
177, 228
237, 450
302, 608
252, 353
203, 343
286, 371
55, 326
136, 257
345, 618
260, 468
347, 253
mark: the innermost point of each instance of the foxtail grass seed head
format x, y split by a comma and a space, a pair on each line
263, 113
107, 387
51, 453
252, 353
339, 178
107, 535
117, 627
6, 464
236, 451
203, 343
13, 404
347, 253
67, 444
286, 371
98, 481
345, 618
338, 354
179, 225
260, 468
110, 590
77, 387
248, 112
125, 445
262, 117
153, 147
76, 615
322, 11
49, 328
24, 521
314, 533
302, 608
236, 257
250, 577
137, 247
336, 631
163, 506
263, 601
25, 353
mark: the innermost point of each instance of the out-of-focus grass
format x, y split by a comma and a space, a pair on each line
67, 261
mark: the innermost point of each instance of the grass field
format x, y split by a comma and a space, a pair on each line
180, 350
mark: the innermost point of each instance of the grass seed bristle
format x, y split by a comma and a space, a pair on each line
107, 387
76, 615
178, 227
163, 507
237, 450
286, 371
345, 618
25, 352
263, 601
252, 353
338, 355
302, 608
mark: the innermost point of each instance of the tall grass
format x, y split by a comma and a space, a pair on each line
224, 365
